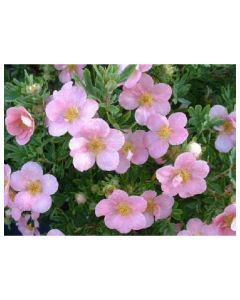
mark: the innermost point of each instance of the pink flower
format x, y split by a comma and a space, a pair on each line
158, 207
28, 224
55, 232
147, 98
96, 142
226, 139
34, 188
225, 220
165, 132
122, 212
196, 227
185, 178
68, 109
135, 77
133, 151
67, 71
20, 123
7, 173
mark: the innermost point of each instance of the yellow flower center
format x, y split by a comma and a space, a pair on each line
146, 100
96, 145
128, 147
5, 182
34, 187
185, 174
164, 132
228, 127
71, 68
124, 209
11, 194
228, 220
150, 206
71, 114
30, 226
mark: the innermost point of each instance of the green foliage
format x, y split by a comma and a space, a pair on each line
195, 89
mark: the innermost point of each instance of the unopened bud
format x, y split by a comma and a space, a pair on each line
80, 198
33, 89
195, 148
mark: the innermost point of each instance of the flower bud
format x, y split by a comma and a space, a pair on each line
80, 198
33, 89
195, 148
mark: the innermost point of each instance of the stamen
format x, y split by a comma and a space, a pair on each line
34, 187
146, 100
124, 209
71, 114
164, 132
96, 145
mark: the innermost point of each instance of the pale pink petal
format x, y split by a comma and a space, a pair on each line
200, 169
146, 82
178, 136
117, 222
138, 203
115, 140
149, 194
193, 187
24, 201
49, 184
89, 109
163, 174
94, 128
42, 203
124, 164
150, 138
186, 159
65, 76
177, 120
142, 114
184, 233
104, 207
144, 67
158, 148
162, 92
55, 232
18, 182
60, 67
133, 79
224, 143
108, 160
119, 196
137, 221
77, 145
156, 121
194, 225
33, 169
128, 100
218, 111
83, 161
140, 156
163, 213
57, 129
149, 219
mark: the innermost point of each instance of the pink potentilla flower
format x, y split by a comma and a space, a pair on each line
147, 97
165, 132
96, 141
34, 188
158, 207
133, 151
225, 220
135, 77
68, 109
20, 123
226, 139
185, 178
7, 173
67, 71
196, 227
55, 232
122, 212
28, 225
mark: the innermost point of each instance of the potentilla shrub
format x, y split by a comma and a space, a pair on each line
120, 149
